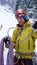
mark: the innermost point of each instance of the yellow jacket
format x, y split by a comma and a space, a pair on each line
24, 39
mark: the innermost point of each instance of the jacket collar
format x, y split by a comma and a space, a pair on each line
25, 25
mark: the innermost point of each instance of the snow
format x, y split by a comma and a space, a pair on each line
7, 19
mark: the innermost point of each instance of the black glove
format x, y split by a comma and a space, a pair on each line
35, 25
6, 40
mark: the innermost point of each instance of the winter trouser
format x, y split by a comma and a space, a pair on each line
22, 61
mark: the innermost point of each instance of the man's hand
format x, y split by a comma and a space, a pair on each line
6, 40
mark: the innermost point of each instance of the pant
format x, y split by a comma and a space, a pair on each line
25, 62
22, 61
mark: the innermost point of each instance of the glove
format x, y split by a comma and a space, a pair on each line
6, 40
35, 26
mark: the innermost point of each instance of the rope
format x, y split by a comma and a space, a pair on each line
10, 29
22, 63
16, 62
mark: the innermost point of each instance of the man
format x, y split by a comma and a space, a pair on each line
23, 39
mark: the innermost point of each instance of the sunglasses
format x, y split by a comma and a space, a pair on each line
21, 16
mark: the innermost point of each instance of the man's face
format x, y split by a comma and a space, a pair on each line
21, 21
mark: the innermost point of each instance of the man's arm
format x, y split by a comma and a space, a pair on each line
35, 30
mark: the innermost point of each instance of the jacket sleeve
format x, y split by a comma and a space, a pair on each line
35, 29
35, 35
